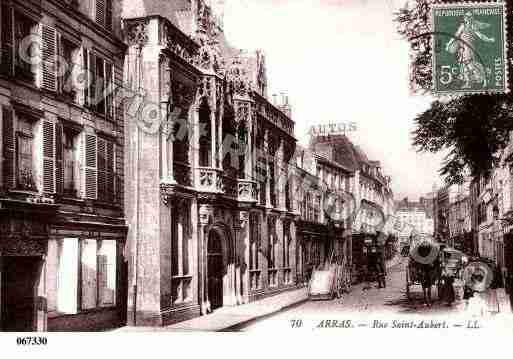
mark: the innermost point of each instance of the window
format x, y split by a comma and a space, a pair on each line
99, 92
25, 50
254, 248
99, 170
287, 270
6, 59
70, 162
97, 273
181, 253
67, 279
26, 177
71, 66
103, 13
272, 271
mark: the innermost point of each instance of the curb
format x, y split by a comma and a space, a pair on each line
234, 327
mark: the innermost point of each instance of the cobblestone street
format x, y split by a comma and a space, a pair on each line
363, 307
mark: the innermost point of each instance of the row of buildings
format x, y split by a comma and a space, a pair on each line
146, 178
477, 216
415, 218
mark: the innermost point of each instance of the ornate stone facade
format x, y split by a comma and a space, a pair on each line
199, 181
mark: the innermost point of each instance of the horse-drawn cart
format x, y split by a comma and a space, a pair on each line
423, 268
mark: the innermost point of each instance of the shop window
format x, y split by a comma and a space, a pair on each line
181, 253
67, 285
107, 273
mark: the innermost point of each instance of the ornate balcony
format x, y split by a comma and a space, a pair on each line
210, 179
247, 191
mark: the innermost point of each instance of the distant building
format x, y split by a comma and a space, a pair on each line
417, 215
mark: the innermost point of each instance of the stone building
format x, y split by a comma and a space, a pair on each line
322, 216
62, 229
367, 195
417, 214
207, 195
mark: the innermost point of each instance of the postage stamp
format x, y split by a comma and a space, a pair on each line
469, 42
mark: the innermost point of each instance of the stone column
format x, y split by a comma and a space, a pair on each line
166, 133
248, 155
292, 251
280, 175
41, 310
268, 169
204, 214
279, 249
167, 210
195, 142
241, 229
143, 205
264, 260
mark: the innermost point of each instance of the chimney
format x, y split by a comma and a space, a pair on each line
275, 99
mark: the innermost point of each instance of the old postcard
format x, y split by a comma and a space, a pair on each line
335, 167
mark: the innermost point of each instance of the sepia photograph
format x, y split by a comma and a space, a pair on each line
173, 167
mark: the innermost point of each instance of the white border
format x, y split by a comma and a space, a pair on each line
470, 4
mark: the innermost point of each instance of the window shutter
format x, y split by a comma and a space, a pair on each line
101, 12
9, 147
91, 185
49, 78
92, 101
87, 79
59, 165
6, 59
109, 108
102, 166
110, 171
48, 157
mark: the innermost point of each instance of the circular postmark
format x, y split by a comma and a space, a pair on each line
477, 275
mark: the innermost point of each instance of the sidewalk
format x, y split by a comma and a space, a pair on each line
224, 318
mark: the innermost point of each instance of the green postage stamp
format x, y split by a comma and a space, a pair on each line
469, 43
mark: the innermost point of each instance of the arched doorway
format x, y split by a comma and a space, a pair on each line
216, 269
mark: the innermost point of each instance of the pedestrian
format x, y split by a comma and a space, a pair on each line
497, 282
509, 287
381, 270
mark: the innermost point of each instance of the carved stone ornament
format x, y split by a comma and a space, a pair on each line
205, 213
137, 33
237, 79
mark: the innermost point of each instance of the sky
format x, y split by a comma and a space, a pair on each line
341, 61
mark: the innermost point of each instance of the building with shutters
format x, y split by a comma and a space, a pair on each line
62, 228
369, 208
211, 221
323, 224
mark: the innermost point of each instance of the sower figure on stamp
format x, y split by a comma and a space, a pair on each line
463, 46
